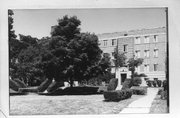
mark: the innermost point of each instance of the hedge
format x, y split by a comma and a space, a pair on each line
54, 85
44, 85
139, 90
112, 84
159, 83
165, 85
117, 95
136, 81
127, 84
154, 83
20, 83
13, 85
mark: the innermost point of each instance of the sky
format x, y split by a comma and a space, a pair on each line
38, 22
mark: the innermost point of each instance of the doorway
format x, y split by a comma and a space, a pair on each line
123, 77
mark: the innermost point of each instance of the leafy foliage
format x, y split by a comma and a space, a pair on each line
67, 55
119, 59
133, 63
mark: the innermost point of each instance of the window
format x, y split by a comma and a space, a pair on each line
146, 39
137, 40
146, 68
137, 53
146, 53
155, 38
125, 48
155, 52
155, 67
113, 41
105, 42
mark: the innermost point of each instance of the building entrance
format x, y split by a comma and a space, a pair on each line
123, 77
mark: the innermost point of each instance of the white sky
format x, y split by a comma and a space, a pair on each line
37, 23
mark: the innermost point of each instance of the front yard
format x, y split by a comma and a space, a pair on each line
73, 104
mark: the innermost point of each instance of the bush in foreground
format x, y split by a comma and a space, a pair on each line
127, 84
117, 95
139, 90
112, 84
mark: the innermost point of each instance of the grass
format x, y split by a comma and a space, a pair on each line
34, 104
159, 105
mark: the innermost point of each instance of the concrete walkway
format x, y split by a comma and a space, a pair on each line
143, 104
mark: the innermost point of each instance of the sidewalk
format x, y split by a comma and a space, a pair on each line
142, 105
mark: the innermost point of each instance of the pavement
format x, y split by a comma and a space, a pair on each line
143, 104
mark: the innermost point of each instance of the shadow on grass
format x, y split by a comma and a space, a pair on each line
73, 91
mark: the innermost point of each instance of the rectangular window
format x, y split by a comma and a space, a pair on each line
146, 68
137, 40
155, 52
155, 38
146, 53
155, 67
146, 39
137, 53
125, 48
113, 42
105, 42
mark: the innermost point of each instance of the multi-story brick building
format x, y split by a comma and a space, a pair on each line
149, 44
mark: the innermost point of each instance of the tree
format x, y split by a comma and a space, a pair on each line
14, 45
119, 59
133, 63
71, 55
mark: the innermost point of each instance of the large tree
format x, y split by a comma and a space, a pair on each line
72, 55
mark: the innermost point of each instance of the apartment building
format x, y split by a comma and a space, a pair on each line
149, 44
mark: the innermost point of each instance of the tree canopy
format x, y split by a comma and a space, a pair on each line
67, 55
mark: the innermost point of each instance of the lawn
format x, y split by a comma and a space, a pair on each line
73, 104
159, 105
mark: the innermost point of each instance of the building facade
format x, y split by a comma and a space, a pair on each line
149, 44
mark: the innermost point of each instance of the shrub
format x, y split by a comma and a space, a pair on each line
117, 95
160, 91
20, 83
136, 81
44, 85
139, 90
112, 84
13, 85
165, 85
149, 83
154, 83
159, 83
127, 84
80, 90
54, 85
164, 95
